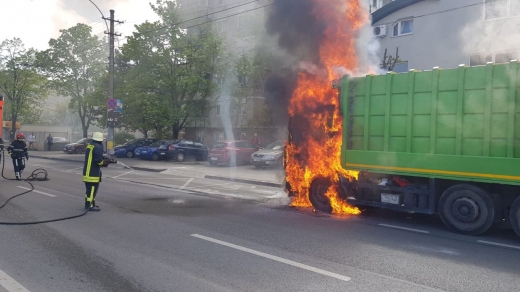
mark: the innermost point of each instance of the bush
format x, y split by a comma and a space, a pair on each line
122, 137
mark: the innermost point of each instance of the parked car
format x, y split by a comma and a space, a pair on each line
78, 147
180, 150
152, 152
221, 152
271, 155
127, 149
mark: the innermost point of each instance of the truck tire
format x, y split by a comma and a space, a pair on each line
466, 209
515, 216
317, 196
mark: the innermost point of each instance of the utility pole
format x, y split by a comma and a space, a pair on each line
111, 61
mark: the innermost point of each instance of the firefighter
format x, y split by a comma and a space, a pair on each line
18, 150
94, 160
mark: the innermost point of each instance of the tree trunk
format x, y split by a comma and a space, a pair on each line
175, 131
85, 131
145, 133
13, 128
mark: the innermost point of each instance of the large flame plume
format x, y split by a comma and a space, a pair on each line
314, 105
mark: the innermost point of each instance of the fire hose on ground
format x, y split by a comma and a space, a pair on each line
39, 174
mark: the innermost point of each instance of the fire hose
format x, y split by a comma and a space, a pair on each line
36, 175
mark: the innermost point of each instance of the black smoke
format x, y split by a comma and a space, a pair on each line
299, 34
297, 29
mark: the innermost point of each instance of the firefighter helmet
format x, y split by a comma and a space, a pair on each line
20, 136
97, 136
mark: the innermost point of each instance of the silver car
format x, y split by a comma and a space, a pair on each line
272, 155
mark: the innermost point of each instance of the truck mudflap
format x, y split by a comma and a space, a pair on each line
410, 198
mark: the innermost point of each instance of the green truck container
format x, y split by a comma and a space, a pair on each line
441, 142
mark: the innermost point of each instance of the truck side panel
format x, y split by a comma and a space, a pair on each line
461, 123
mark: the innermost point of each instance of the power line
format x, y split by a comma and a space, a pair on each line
203, 16
231, 15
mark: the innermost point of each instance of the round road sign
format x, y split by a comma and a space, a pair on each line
111, 103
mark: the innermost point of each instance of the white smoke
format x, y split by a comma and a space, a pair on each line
225, 113
494, 36
367, 46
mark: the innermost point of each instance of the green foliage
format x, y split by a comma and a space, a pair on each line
21, 83
122, 137
76, 63
169, 72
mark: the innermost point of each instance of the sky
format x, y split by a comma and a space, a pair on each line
35, 22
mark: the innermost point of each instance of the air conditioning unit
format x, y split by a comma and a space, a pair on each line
380, 31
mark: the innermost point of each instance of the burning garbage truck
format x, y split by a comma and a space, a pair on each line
443, 142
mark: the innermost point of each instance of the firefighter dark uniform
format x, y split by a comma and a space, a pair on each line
18, 150
94, 160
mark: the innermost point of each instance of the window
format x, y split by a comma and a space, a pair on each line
218, 110
221, 2
506, 57
501, 8
204, 3
480, 59
401, 67
241, 22
221, 27
403, 27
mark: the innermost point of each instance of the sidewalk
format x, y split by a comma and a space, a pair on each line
244, 173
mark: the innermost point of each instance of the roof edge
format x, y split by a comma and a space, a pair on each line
391, 8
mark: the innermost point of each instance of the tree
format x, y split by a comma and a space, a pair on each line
76, 63
21, 83
172, 70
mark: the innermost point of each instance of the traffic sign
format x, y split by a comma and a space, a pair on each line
119, 107
112, 118
111, 103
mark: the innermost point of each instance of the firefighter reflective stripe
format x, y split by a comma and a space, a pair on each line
87, 177
101, 163
91, 197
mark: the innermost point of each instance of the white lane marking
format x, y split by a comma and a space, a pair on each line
186, 184
10, 284
274, 258
39, 192
77, 168
128, 172
404, 228
499, 244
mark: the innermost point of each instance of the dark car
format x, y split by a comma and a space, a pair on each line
127, 149
222, 152
180, 150
152, 152
78, 147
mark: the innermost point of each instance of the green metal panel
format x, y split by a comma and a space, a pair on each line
461, 123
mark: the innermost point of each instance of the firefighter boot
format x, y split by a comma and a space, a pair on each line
17, 174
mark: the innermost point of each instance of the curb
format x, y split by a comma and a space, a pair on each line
247, 181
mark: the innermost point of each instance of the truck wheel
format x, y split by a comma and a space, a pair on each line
515, 216
317, 196
466, 209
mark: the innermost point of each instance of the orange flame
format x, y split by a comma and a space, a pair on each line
320, 155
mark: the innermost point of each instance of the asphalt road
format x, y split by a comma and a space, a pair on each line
162, 233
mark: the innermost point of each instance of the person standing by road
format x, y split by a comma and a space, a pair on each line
49, 141
94, 160
256, 140
31, 140
18, 149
